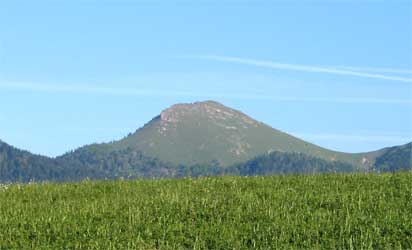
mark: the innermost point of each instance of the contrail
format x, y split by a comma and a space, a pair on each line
304, 68
376, 70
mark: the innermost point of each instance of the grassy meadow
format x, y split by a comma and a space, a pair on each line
356, 211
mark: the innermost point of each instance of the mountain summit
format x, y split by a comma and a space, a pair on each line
215, 112
209, 132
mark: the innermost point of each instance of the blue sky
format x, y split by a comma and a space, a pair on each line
336, 73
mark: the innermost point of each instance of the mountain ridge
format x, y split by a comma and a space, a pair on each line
214, 132
195, 139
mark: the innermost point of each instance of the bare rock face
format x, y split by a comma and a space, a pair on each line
168, 116
209, 109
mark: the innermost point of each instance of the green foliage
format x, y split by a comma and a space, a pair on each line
127, 163
22, 166
288, 163
124, 163
92, 162
395, 159
363, 211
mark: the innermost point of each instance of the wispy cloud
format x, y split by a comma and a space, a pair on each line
88, 89
378, 70
306, 68
338, 100
130, 91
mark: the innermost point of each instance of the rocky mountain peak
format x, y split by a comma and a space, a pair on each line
211, 110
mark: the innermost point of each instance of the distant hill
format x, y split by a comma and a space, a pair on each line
289, 163
19, 165
22, 166
124, 163
198, 139
397, 158
206, 132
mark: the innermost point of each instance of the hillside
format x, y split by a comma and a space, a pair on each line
277, 163
20, 165
206, 132
397, 158
199, 139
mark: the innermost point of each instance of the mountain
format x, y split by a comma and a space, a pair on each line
392, 159
209, 132
198, 139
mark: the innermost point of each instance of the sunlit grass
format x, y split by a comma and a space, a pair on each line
282, 212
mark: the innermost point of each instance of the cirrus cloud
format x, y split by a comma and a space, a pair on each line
345, 71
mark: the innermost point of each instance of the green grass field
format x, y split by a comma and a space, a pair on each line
284, 212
